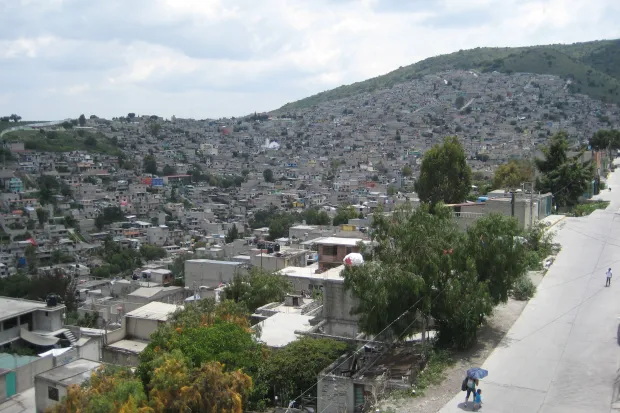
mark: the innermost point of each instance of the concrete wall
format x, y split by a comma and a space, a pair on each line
91, 350
140, 328
41, 392
209, 273
335, 395
2, 387
120, 358
66, 357
26, 373
47, 320
337, 305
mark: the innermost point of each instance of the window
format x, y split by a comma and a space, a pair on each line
52, 393
330, 250
10, 323
349, 250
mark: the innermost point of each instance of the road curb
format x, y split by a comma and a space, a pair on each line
556, 222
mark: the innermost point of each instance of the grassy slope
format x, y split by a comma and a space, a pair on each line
600, 58
7, 125
65, 141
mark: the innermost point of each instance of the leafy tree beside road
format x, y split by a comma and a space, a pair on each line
423, 266
512, 174
444, 174
567, 178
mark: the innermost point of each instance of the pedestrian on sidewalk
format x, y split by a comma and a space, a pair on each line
608, 281
471, 388
478, 400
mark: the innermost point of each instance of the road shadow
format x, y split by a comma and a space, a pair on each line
469, 407
488, 338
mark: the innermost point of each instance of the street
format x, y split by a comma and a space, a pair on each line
561, 355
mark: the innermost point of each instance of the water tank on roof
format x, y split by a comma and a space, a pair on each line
276, 248
270, 249
52, 300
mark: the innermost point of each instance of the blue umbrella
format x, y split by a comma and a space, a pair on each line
477, 373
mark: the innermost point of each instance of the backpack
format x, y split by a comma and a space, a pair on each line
464, 385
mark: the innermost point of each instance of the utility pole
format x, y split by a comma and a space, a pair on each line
531, 204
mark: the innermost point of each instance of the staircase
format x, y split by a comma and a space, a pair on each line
70, 337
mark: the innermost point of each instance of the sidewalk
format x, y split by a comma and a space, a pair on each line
561, 355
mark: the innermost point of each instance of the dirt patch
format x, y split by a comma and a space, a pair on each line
489, 337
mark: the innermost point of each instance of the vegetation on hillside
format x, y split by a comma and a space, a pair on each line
594, 68
63, 141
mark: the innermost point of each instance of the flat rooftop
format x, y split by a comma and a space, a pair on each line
12, 307
279, 329
148, 292
133, 346
154, 311
203, 260
75, 372
310, 272
349, 242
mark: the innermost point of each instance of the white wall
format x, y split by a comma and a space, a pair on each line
47, 320
140, 328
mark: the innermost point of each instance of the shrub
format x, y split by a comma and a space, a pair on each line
523, 288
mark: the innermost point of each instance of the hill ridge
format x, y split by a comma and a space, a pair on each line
593, 67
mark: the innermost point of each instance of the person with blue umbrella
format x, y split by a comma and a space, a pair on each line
473, 377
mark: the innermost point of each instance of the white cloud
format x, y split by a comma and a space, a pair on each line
205, 58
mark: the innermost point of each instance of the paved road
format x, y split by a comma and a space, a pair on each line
562, 354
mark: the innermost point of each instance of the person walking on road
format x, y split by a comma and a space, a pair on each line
477, 400
608, 281
471, 388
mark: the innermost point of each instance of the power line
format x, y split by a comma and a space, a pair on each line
379, 357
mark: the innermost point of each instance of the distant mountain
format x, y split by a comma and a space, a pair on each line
593, 67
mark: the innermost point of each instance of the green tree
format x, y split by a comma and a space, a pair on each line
30, 253
42, 216
454, 278
149, 164
282, 372
154, 128
606, 140
314, 216
268, 175
344, 214
169, 170
444, 174
152, 252
280, 225
407, 171
513, 174
567, 178
459, 102
232, 234
110, 389
258, 288
82, 120
494, 243
391, 190
205, 332
90, 142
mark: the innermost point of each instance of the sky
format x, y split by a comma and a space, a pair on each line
215, 58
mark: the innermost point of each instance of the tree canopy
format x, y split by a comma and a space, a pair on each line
605, 140
422, 266
512, 174
282, 369
257, 288
444, 174
232, 234
268, 175
567, 178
